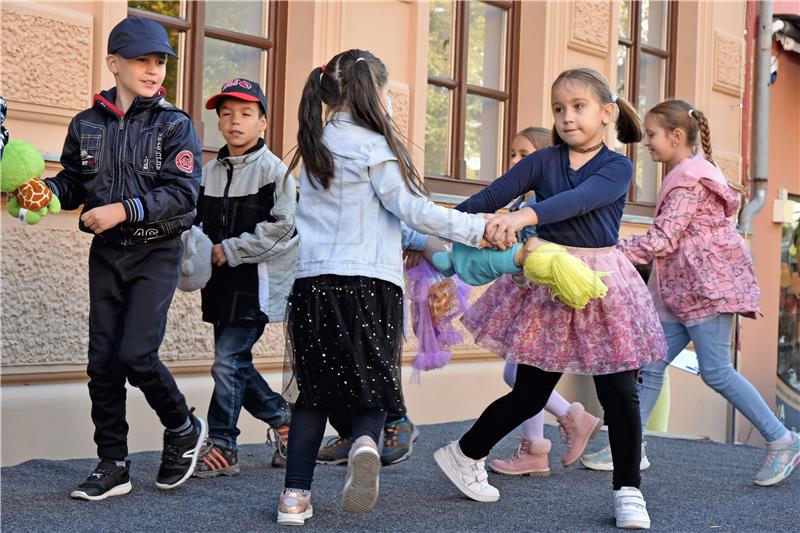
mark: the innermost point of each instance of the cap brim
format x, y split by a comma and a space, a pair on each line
141, 49
212, 102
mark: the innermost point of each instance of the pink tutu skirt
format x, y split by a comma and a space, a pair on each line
527, 326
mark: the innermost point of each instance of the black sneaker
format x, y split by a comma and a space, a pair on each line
179, 458
217, 460
279, 438
106, 480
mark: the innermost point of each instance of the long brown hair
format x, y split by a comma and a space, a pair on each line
352, 79
629, 125
538, 137
679, 114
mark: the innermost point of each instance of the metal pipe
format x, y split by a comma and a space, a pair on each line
761, 119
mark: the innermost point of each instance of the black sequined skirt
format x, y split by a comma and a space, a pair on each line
345, 336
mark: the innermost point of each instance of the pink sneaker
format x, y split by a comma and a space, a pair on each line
529, 459
577, 428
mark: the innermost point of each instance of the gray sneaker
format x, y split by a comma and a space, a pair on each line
601, 460
779, 462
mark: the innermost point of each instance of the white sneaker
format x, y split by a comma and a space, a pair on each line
467, 474
630, 509
360, 491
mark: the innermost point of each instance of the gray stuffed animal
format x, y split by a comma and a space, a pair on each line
196, 260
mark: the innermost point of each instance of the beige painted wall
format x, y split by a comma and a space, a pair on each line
49, 333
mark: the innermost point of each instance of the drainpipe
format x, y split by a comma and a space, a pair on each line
761, 112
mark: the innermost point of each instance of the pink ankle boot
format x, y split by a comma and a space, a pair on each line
577, 428
529, 459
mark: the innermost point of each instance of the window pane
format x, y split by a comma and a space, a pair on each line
654, 23
173, 82
487, 45
438, 131
625, 18
224, 61
647, 177
242, 16
652, 77
623, 68
483, 138
440, 39
167, 7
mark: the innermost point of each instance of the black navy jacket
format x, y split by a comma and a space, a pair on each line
147, 158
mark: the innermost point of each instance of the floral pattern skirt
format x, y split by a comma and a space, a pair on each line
527, 326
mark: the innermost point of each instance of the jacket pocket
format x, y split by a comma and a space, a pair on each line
91, 150
146, 159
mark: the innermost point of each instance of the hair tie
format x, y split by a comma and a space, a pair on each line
323, 67
360, 59
691, 114
614, 98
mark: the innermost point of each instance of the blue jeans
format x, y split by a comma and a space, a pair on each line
238, 384
712, 342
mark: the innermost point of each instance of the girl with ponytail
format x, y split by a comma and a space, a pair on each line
581, 186
702, 276
345, 314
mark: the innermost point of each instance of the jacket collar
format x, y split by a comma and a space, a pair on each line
106, 99
240, 160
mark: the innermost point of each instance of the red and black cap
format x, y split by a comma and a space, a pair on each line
241, 89
134, 37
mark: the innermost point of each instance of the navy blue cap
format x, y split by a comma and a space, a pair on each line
241, 89
134, 37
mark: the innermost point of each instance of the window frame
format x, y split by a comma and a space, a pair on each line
457, 184
192, 76
633, 43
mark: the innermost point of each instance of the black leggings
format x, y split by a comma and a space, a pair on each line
618, 396
305, 436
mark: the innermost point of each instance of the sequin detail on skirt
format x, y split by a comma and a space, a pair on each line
345, 337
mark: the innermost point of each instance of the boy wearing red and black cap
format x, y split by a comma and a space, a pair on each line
129, 160
246, 207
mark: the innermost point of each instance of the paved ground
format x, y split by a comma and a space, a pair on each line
692, 486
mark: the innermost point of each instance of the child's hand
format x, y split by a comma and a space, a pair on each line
104, 217
412, 258
218, 255
502, 229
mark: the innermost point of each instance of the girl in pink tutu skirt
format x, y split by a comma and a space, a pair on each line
581, 188
577, 426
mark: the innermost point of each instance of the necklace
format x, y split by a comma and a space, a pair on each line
586, 150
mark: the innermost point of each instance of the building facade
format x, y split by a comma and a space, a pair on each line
465, 77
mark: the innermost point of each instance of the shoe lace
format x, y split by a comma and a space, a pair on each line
102, 470
769, 458
390, 437
278, 440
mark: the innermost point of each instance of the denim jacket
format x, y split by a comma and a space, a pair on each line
353, 228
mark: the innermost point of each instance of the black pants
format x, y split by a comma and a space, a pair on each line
130, 290
618, 396
305, 436
342, 421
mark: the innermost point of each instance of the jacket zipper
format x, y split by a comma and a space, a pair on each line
225, 229
120, 152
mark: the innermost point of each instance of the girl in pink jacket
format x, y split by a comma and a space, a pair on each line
702, 276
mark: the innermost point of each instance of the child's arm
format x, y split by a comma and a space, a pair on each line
517, 181
179, 175
663, 238
67, 185
269, 239
419, 212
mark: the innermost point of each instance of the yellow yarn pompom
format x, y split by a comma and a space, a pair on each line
570, 279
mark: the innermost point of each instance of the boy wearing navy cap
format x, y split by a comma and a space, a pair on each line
246, 207
130, 161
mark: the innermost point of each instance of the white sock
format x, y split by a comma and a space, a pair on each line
786, 439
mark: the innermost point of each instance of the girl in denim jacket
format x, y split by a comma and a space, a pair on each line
344, 322
702, 276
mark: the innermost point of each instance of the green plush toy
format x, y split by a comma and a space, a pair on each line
20, 168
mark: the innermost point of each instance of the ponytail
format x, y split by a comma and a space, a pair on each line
705, 134
629, 125
315, 155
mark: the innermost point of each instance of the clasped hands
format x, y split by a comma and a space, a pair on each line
501, 229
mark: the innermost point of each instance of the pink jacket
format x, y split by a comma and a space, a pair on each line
703, 265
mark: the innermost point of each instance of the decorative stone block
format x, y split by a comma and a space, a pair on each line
728, 64
590, 27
